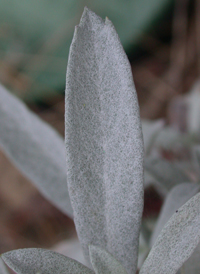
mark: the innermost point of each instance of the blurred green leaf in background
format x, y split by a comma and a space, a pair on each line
35, 38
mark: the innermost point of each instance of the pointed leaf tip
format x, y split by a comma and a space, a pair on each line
89, 18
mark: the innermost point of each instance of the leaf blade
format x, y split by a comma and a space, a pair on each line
37, 260
103, 142
35, 148
177, 197
177, 240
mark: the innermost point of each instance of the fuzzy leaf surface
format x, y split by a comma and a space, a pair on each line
35, 148
177, 240
177, 197
42, 261
103, 142
103, 262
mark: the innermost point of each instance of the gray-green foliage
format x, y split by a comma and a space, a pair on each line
177, 240
179, 195
105, 168
35, 148
173, 247
103, 141
175, 199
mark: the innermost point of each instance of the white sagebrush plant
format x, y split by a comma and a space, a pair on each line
104, 150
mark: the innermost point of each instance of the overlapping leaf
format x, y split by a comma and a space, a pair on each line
35, 148
103, 142
177, 240
177, 197
104, 263
41, 261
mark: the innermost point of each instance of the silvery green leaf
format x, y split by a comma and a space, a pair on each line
103, 142
150, 131
103, 262
177, 240
41, 261
165, 172
35, 148
3, 268
177, 197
